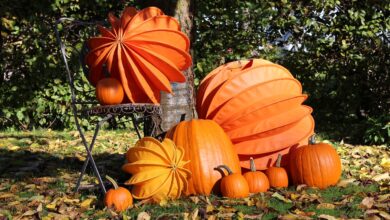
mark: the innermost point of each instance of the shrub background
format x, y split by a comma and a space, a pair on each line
339, 50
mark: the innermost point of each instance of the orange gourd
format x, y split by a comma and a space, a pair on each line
118, 198
233, 185
145, 50
157, 168
257, 180
316, 165
259, 106
109, 91
206, 145
277, 175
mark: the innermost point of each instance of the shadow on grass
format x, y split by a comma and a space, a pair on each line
24, 164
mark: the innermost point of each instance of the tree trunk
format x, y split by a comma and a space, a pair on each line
181, 102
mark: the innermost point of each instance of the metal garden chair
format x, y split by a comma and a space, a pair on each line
84, 104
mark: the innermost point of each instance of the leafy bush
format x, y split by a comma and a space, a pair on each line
337, 49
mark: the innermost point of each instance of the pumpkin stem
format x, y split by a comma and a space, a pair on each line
113, 182
230, 172
312, 139
278, 160
105, 70
253, 166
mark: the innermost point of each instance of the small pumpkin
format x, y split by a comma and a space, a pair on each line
277, 175
233, 185
206, 145
157, 168
316, 165
109, 91
257, 180
118, 198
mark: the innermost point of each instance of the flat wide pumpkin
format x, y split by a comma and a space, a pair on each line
207, 146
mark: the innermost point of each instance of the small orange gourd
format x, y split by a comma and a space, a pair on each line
118, 198
316, 165
233, 185
109, 91
257, 180
277, 175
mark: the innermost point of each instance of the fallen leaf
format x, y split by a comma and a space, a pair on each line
301, 187
28, 213
326, 206
345, 182
294, 217
385, 215
327, 217
87, 203
195, 199
280, 197
385, 163
209, 208
380, 177
51, 206
7, 195
294, 196
367, 203
143, 216
211, 217
194, 214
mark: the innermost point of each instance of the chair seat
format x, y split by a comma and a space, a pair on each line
123, 109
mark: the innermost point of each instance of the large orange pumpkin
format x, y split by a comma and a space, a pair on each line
144, 50
206, 146
316, 165
259, 106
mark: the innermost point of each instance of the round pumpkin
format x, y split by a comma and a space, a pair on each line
118, 198
206, 146
157, 168
233, 185
257, 180
277, 175
109, 91
316, 165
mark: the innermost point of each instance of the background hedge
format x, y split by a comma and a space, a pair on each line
339, 50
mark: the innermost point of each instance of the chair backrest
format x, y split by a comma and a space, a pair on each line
71, 37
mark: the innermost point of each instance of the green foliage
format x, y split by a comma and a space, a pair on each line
33, 87
337, 49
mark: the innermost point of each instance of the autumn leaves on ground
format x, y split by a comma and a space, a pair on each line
39, 169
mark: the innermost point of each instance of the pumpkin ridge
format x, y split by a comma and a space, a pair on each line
319, 165
172, 74
155, 191
138, 177
150, 151
139, 77
158, 79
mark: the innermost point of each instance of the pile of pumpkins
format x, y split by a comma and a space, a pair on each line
251, 118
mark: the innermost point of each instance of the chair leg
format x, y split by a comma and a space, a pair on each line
135, 126
89, 156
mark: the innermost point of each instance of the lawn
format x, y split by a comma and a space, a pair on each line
39, 169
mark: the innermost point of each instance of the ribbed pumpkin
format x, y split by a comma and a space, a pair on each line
316, 165
233, 185
277, 175
157, 168
259, 106
207, 146
144, 50
257, 180
109, 91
